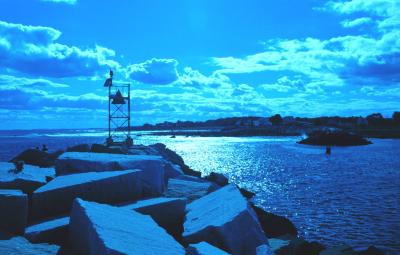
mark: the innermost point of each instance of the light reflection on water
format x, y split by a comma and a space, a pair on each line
351, 197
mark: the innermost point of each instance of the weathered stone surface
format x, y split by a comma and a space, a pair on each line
204, 248
191, 190
29, 179
54, 231
37, 157
274, 225
218, 178
172, 171
224, 219
79, 148
56, 197
264, 250
169, 213
20, 246
81, 162
97, 229
13, 211
339, 250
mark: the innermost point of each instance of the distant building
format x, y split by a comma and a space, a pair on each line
288, 120
362, 121
263, 122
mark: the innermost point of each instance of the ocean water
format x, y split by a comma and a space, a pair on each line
350, 197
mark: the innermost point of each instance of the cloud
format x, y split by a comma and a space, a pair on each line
8, 81
154, 71
356, 22
34, 50
72, 2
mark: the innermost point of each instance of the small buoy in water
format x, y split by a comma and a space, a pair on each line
328, 150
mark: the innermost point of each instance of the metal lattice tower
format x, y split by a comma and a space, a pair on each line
119, 112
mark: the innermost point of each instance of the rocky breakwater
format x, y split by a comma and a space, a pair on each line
143, 200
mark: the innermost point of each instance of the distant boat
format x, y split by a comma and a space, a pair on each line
172, 136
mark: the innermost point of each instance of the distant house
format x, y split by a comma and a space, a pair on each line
263, 122
362, 121
288, 120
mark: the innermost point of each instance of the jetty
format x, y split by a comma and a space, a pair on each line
98, 199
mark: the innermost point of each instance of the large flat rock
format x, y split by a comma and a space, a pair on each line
82, 162
169, 213
31, 178
13, 211
53, 231
20, 246
97, 229
204, 248
190, 189
56, 197
224, 219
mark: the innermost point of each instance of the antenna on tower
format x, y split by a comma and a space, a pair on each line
119, 112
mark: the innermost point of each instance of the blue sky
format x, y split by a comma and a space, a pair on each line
196, 60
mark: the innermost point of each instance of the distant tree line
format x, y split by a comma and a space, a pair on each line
375, 119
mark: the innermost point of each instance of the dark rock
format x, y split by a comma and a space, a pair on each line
291, 245
274, 225
372, 250
339, 250
334, 138
100, 148
174, 158
54, 231
37, 157
247, 194
79, 148
13, 211
309, 248
218, 178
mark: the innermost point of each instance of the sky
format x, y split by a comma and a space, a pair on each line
196, 59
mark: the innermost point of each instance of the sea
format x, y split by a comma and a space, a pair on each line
351, 197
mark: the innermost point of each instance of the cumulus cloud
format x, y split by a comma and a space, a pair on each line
337, 61
356, 22
72, 2
154, 71
8, 81
34, 50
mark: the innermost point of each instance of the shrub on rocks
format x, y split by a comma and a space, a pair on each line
56, 197
97, 229
274, 225
224, 219
13, 211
